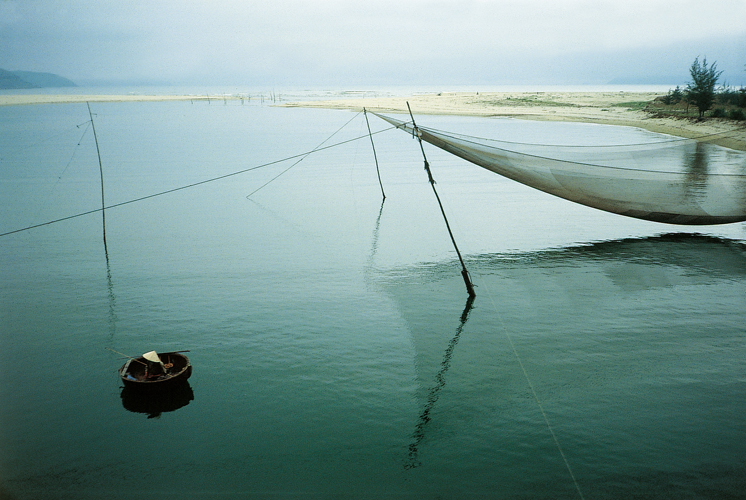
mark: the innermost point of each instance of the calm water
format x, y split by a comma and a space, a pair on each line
335, 354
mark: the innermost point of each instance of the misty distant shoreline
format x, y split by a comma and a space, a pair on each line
602, 107
32, 80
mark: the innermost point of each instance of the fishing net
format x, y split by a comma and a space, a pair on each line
677, 181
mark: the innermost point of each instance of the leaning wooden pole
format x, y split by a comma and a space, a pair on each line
101, 171
464, 272
365, 113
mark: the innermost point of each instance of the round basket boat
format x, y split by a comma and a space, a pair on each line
153, 371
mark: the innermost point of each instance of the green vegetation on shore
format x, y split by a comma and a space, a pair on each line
702, 98
633, 105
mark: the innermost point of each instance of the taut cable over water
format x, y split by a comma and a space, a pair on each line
303, 157
194, 184
534, 394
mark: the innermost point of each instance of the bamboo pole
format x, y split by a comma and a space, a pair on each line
101, 171
365, 113
122, 354
464, 272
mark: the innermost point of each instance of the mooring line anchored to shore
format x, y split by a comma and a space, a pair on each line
533, 391
72, 157
195, 184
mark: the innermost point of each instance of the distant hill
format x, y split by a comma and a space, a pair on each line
9, 80
31, 80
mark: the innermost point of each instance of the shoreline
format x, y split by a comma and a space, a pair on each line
30, 99
605, 108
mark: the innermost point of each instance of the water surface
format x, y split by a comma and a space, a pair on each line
334, 351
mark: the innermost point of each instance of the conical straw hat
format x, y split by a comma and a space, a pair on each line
152, 356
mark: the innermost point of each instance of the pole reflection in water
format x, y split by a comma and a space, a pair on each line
112, 320
434, 393
374, 244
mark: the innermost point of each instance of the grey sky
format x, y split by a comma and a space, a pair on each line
351, 42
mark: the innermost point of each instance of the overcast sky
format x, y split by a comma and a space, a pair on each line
358, 43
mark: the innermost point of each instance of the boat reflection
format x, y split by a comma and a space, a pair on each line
154, 404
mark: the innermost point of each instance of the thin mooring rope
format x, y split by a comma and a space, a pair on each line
302, 158
189, 186
533, 391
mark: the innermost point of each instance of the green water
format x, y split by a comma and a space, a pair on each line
334, 352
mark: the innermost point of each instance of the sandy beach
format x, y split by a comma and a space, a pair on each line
610, 108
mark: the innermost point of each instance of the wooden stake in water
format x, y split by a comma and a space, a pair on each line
101, 171
464, 272
374, 153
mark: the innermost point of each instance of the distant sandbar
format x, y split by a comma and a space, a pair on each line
610, 108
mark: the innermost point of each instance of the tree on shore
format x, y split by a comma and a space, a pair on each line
701, 90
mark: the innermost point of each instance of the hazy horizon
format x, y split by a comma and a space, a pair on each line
338, 43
